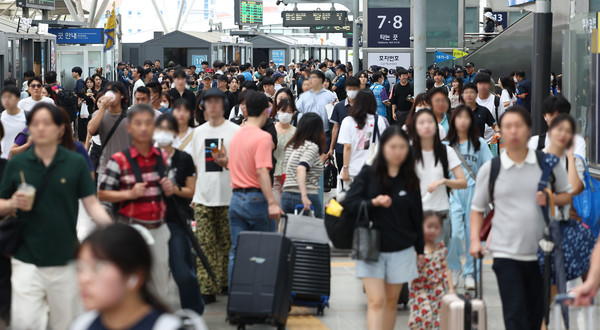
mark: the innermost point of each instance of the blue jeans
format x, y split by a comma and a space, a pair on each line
289, 200
460, 217
247, 212
183, 267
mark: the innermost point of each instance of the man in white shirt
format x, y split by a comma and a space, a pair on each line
35, 89
485, 98
552, 107
137, 77
213, 191
12, 118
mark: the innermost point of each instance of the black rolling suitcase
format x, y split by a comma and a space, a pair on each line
311, 284
261, 280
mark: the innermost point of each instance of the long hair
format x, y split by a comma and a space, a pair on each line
438, 147
509, 85
407, 169
364, 105
184, 104
310, 128
561, 118
444, 92
472, 131
124, 247
420, 99
460, 85
276, 106
67, 140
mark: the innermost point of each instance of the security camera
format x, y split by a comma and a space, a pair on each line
412, 37
279, 2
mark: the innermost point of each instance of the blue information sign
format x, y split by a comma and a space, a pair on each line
389, 27
278, 57
518, 2
501, 17
197, 61
78, 36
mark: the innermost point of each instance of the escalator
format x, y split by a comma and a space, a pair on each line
512, 49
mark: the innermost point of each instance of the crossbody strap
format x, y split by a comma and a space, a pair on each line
186, 141
112, 131
376, 128
464, 163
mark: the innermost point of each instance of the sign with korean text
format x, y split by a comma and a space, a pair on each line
314, 18
389, 27
332, 29
78, 36
389, 60
37, 4
197, 61
501, 17
248, 12
518, 2
278, 57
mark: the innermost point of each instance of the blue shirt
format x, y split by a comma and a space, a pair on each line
475, 159
316, 102
247, 75
445, 123
340, 111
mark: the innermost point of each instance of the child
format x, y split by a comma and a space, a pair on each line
434, 279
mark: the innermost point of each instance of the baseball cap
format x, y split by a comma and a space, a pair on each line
213, 92
469, 65
278, 75
209, 70
206, 76
489, 15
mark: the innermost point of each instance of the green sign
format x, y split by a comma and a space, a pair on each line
331, 29
248, 12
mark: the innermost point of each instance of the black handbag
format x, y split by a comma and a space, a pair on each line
11, 227
340, 229
330, 175
366, 240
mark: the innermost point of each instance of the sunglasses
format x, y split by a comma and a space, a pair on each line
35, 85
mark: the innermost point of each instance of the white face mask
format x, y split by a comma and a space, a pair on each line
164, 105
515, 79
163, 138
159, 79
284, 117
352, 94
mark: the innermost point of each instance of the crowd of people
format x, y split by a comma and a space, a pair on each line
230, 148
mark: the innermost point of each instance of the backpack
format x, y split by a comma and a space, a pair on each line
68, 101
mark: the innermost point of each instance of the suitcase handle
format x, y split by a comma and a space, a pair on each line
478, 273
284, 218
300, 208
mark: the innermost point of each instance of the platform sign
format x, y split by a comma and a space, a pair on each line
248, 12
78, 36
518, 2
278, 57
501, 17
389, 27
314, 18
197, 61
350, 42
37, 4
389, 60
332, 29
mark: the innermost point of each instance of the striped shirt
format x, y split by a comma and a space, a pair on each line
306, 155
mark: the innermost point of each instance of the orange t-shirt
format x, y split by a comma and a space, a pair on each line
249, 149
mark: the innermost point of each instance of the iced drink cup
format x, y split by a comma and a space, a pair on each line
29, 192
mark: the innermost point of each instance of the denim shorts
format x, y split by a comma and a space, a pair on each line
392, 267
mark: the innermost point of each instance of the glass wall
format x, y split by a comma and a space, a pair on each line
471, 21
440, 32
594, 5
10, 59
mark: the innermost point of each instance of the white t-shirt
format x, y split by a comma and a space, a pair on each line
427, 173
361, 140
213, 186
505, 98
13, 125
28, 103
489, 104
136, 85
177, 141
580, 145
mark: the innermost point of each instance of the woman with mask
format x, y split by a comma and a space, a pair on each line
113, 266
182, 111
285, 131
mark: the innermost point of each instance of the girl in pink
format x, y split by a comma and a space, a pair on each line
434, 280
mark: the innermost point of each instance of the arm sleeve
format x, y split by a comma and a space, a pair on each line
86, 186
311, 152
300, 103
189, 169
453, 160
533, 142
580, 167
384, 95
489, 117
110, 179
357, 193
345, 135
481, 197
562, 180
263, 156
416, 215
335, 115
394, 96
580, 146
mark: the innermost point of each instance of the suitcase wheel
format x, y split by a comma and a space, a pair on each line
241, 326
321, 310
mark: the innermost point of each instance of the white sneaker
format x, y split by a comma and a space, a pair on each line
469, 282
456, 276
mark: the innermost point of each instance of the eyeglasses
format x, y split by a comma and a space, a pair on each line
35, 85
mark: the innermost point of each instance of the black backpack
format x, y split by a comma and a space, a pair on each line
68, 101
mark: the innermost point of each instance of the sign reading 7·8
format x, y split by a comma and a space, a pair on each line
389, 27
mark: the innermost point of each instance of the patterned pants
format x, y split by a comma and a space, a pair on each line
212, 230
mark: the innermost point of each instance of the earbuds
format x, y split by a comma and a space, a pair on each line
132, 281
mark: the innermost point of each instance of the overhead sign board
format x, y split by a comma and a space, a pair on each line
78, 36
314, 18
278, 57
389, 60
501, 17
389, 27
518, 2
197, 61
37, 4
331, 29
248, 12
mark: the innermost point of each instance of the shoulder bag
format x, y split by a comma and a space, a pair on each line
11, 227
367, 238
186, 141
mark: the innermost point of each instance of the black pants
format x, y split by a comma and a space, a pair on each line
521, 292
5, 288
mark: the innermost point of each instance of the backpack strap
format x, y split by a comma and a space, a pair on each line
135, 167
541, 142
376, 129
494, 171
444, 160
496, 106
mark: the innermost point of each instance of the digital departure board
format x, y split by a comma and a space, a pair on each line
248, 12
37, 4
314, 18
331, 29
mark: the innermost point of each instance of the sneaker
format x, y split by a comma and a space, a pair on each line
456, 276
469, 282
